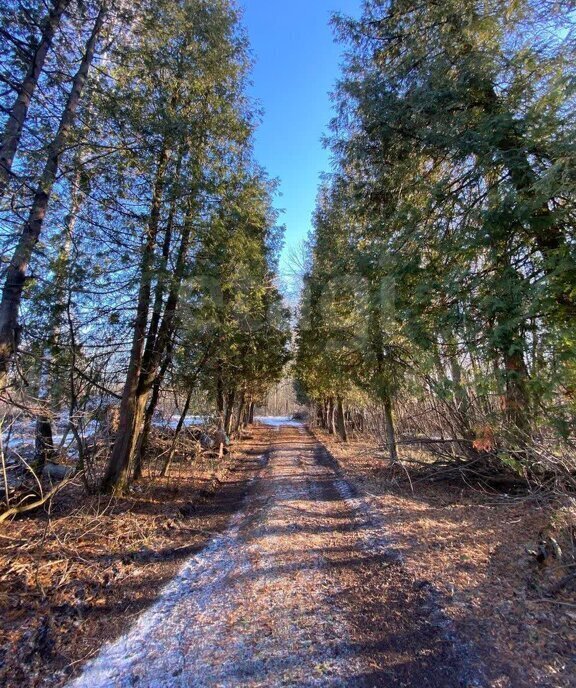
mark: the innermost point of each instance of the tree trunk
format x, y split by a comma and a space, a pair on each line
516, 398
228, 416
159, 337
390, 430
177, 432
324, 414
19, 111
16, 272
220, 394
239, 413
246, 418
150, 410
44, 444
251, 413
331, 416
161, 282
133, 396
144, 439
161, 328
132, 411
341, 420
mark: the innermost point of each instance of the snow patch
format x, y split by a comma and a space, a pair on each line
189, 421
279, 421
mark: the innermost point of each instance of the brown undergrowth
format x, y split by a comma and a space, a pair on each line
77, 572
479, 550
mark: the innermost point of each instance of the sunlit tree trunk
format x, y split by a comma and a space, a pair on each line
320, 414
341, 420
146, 359
229, 412
239, 412
149, 416
331, 416
133, 404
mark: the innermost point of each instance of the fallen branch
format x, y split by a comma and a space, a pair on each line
23, 508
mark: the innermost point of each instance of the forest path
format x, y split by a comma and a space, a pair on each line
300, 590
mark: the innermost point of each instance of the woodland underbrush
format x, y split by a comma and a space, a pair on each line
499, 554
77, 570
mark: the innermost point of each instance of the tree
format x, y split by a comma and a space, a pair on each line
452, 139
25, 92
16, 273
235, 302
195, 106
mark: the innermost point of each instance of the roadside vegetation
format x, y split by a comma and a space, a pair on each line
436, 334
432, 349
138, 237
439, 287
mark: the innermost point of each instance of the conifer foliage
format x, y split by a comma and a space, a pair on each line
442, 280
138, 238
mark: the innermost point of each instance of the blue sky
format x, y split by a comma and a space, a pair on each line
297, 64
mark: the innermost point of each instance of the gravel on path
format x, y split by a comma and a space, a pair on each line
300, 590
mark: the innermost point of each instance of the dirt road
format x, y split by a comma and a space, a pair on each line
301, 590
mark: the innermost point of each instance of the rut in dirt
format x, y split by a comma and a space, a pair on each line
302, 589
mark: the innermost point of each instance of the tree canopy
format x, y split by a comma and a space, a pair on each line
443, 252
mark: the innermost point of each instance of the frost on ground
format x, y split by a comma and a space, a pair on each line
277, 599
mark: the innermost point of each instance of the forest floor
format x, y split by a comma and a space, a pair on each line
474, 548
303, 568
80, 572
